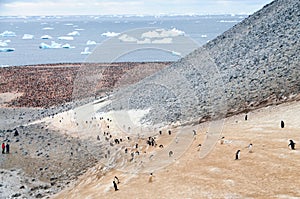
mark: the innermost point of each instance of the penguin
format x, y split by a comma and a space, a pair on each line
292, 144
246, 117
117, 180
237, 154
150, 178
115, 186
282, 124
250, 148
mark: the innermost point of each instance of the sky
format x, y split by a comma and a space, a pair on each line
128, 7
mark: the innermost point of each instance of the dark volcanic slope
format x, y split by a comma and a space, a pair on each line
253, 64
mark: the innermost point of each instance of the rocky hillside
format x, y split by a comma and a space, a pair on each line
253, 64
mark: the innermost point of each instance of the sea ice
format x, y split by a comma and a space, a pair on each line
86, 51
176, 53
8, 34
7, 49
163, 41
160, 33
127, 38
46, 37
53, 45
67, 46
74, 33
66, 38
3, 43
89, 42
27, 36
48, 28
110, 34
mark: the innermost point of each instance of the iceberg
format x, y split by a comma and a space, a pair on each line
203, 36
3, 43
8, 34
66, 38
7, 49
229, 21
89, 42
74, 33
48, 28
110, 34
86, 51
161, 33
53, 45
176, 53
127, 38
46, 37
67, 46
27, 36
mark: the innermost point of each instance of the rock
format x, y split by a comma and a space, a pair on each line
39, 195
16, 195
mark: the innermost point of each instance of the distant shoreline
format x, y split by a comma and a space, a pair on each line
72, 64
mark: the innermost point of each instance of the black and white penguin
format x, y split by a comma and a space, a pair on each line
250, 147
237, 154
282, 124
292, 144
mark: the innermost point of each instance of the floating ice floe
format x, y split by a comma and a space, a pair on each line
74, 33
54, 45
176, 53
228, 21
67, 46
66, 38
203, 36
86, 51
3, 43
163, 41
48, 28
8, 34
110, 34
46, 37
7, 49
160, 33
68, 24
27, 36
89, 42
127, 38
79, 29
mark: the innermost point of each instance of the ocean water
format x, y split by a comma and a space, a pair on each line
70, 39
